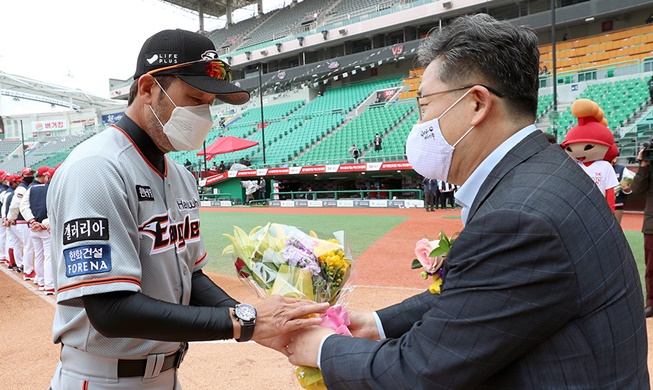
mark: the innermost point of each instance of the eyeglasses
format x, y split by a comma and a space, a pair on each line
215, 68
419, 106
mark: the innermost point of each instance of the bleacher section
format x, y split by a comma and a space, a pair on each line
226, 39
285, 21
360, 131
48, 151
8, 146
620, 100
634, 44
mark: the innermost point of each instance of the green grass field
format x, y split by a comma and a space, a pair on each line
361, 231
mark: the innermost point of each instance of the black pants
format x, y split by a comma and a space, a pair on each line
429, 201
444, 196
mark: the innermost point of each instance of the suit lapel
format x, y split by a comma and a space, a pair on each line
529, 146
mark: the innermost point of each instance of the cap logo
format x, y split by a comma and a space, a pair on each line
152, 59
163, 59
210, 55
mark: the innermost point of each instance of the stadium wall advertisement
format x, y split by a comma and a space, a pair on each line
345, 203
314, 169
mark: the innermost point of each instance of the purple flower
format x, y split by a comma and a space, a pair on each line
299, 253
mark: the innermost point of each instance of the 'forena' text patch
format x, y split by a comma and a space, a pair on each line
84, 229
87, 259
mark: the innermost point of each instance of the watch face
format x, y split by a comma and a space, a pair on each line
246, 312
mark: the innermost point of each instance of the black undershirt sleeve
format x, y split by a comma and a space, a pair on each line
135, 315
206, 293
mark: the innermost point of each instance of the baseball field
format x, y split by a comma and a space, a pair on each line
382, 241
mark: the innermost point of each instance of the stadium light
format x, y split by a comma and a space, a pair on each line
264, 52
446, 4
342, 31
301, 41
229, 59
279, 47
325, 33
248, 54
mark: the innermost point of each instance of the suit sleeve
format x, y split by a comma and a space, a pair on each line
509, 285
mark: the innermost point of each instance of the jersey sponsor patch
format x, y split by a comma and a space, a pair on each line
87, 259
187, 205
168, 235
144, 193
84, 229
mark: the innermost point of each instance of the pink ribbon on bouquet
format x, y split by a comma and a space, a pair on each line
337, 318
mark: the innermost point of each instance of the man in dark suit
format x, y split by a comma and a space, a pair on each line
541, 290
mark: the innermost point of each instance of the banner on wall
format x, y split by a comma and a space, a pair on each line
49, 125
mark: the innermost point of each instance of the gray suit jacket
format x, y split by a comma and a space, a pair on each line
541, 292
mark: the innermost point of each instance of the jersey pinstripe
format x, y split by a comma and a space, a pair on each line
119, 225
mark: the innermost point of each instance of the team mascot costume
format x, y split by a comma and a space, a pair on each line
591, 144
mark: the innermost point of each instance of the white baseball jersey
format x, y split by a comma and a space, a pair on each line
119, 225
602, 173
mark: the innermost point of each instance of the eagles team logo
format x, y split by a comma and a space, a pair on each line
168, 235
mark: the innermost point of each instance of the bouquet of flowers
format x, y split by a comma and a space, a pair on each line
281, 259
431, 256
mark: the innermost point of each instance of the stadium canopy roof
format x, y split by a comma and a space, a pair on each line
215, 8
20, 87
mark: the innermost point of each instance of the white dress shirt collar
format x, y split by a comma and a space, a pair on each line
467, 192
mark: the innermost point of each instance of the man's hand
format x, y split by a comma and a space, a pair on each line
305, 345
363, 325
642, 163
277, 315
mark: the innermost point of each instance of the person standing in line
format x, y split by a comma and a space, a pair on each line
128, 255
22, 248
35, 238
3, 229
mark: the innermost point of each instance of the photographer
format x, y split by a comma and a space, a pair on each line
642, 184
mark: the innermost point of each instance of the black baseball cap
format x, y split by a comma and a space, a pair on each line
193, 59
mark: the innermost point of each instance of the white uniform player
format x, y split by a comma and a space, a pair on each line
21, 242
34, 210
126, 243
3, 229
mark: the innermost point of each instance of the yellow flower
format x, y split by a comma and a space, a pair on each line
435, 288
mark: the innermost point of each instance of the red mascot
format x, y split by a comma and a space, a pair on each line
591, 145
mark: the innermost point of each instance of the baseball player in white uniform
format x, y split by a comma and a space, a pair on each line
3, 229
21, 243
127, 249
34, 210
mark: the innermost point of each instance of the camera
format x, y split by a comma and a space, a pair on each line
647, 152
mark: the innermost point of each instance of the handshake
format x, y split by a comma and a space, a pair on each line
291, 326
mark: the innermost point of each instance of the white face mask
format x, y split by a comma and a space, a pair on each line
187, 127
428, 151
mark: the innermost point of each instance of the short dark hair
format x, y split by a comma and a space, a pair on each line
505, 56
164, 81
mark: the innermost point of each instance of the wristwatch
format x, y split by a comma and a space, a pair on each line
246, 316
